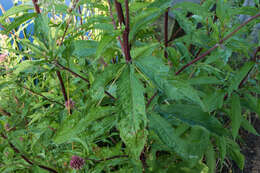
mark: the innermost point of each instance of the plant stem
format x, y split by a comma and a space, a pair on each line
218, 44
126, 33
72, 72
62, 86
46, 98
166, 16
109, 158
36, 6
114, 24
25, 158
151, 99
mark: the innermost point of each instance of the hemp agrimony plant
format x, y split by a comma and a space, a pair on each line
126, 86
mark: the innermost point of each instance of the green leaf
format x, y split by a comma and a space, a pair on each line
191, 149
194, 8
211, 160
239, 76
193, 116
234, 152
145, 50
30, 67
84, 48
157, 71
142, 20
104, 44
222, 145
101, 80
70, 127
42, 30
204, 80
132, 106
16, 10
214, 100
235, 114
248, 127
19, 20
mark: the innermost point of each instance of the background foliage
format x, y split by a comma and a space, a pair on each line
138, 86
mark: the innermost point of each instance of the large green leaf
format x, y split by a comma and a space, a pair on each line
71, 126
104, 43
133, 118
235, 114
84, 48
42, 30
239, 76
190, 149
157, 71
102, 79
193, 116
19, 20
233, 150
16, 10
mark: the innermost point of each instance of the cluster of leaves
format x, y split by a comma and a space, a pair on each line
142, 100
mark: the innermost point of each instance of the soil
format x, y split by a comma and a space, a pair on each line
250, 147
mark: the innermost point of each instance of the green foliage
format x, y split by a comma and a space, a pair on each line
65, 93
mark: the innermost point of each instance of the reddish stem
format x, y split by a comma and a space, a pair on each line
218, 44
166, 16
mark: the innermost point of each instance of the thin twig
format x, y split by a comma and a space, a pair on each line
126, 33
72, 72
109, 158
4, 112
218, 44
166, 16
151, 99
114, 24
25, 158
46, 98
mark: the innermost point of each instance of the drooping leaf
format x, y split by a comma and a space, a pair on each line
157, 71
133, 117
211, 159
193, 116
42, 30
190, 149
19, 20
84, 48
240, 76
235, 115
104, 44
16, 10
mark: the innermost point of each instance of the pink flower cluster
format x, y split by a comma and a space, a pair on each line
76, 162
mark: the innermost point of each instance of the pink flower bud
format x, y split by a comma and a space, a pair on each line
69, 104
77, 162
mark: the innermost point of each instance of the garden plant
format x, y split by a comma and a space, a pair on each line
155, 86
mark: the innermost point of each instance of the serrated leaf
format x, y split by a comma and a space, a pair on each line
84, 48
211, 159
214, 100
192, 7
104, 44
143, 19
101, 80
234, 152
70, 128
193, 116
235, 114
19, 20
249, 127
190, 150
42, 30
157, 71
132, 106
239, 76
16, 10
